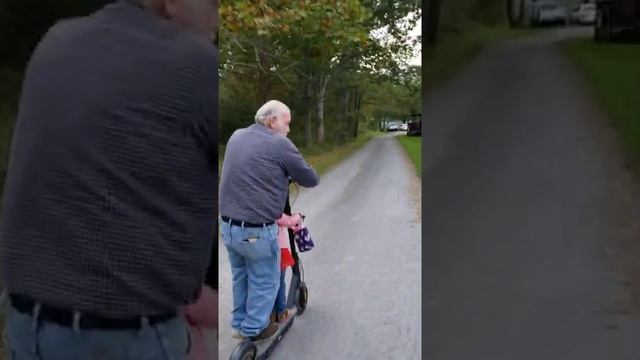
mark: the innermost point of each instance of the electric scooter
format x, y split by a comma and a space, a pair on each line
297, 298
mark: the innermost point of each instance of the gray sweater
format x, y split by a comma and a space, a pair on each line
255, 174
110, 197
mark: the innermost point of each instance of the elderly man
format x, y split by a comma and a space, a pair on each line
258, 163
110, 199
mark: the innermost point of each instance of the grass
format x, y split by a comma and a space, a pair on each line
613, 71
413, 146
323, 160
457, 48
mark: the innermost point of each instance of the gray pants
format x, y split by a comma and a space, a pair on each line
29, 339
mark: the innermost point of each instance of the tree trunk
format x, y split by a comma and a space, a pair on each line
323, 81
433, 21
515, 12
358, 106
308, 138
263, 78
262, 89
347, 112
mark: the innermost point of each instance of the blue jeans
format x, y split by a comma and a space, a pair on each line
254, 257
281, 299
30, 339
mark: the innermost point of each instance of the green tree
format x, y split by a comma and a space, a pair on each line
282, 33
320, 55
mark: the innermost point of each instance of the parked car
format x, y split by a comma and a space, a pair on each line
584, 14
549, 12
392, 126
404, 127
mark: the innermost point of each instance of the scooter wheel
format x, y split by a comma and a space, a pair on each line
303, 297
246, 350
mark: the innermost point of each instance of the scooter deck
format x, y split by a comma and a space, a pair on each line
275, 340
267, 346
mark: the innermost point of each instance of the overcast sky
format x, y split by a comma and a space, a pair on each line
416, 31
417, 60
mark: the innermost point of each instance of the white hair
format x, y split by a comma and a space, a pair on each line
269, 109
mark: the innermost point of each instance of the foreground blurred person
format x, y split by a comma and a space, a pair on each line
109, 203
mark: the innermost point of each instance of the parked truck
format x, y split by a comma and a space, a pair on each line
617, 20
